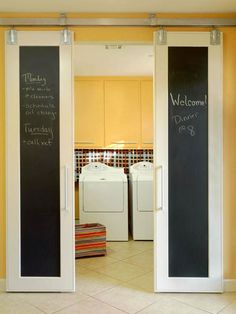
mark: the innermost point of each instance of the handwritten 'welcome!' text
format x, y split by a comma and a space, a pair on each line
184, 101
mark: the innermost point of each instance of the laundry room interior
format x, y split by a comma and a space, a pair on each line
113, 147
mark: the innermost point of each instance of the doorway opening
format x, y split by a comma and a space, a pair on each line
114, 126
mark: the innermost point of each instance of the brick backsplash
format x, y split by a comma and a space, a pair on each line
112, 157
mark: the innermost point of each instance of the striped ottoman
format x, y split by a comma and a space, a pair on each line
90, 240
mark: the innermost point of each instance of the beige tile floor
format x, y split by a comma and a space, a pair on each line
121, 282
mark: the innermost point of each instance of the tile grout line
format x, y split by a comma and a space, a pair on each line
194, 307
94, 297
108, 264
34, 306
104, 274
175, 300
145, 307
127, 281
122, 282
150, 269
105, 289
65, 307
226, 306
22, 300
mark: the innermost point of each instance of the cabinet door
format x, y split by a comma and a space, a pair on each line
147, 114
122, 113
89, 113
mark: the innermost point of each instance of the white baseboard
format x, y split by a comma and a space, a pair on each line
2, 284
230, 285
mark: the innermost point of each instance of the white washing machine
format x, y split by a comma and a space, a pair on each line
103, 198
141, 200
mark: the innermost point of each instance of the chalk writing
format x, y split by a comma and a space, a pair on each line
51, 114
38, 102
189, 130
38, 142
183, 100
39, 106
30, 78
38, 130
183, 118
40, 97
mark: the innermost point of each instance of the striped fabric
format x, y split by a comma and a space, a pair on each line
90, 240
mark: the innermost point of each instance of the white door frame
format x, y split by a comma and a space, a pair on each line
66, 282
164, 283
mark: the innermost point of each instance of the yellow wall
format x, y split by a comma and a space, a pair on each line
146, 34
2, 161
229, 120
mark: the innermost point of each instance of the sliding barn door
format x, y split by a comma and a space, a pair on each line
188, 164
39, 145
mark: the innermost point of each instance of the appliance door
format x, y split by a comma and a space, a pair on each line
103, 194
144, 185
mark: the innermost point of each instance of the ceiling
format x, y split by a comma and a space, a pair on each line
129, 60
148, 6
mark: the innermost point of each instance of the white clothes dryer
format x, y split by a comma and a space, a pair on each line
103, 198
141, 200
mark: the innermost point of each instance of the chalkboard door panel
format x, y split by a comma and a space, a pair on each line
188, 160
40, 164
40, 159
